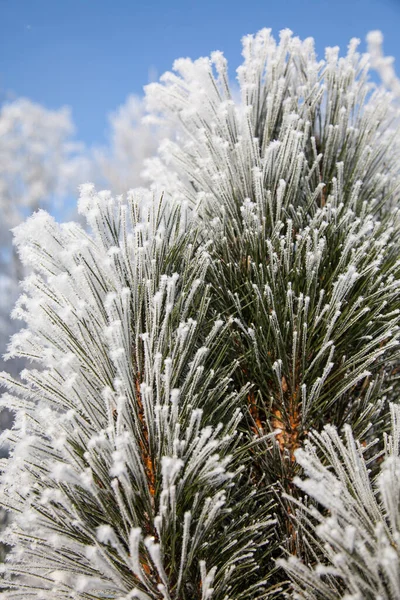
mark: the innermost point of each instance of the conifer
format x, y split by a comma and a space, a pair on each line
211, 411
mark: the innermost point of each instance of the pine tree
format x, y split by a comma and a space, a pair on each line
197, 353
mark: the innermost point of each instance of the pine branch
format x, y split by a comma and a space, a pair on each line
358, 532
131, 459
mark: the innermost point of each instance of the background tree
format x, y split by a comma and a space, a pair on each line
40, 164
132, 139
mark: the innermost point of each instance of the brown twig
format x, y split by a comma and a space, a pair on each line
289, 423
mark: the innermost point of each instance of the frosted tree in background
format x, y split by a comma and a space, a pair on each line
381, 63
40, 164
38, 157
189, 350
132, 139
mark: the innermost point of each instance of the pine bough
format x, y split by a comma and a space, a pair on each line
195, 354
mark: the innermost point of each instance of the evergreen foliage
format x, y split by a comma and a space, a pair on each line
184, 348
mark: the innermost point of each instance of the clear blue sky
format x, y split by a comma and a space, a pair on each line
90, 54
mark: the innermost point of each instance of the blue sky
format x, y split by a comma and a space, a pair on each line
90, 54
